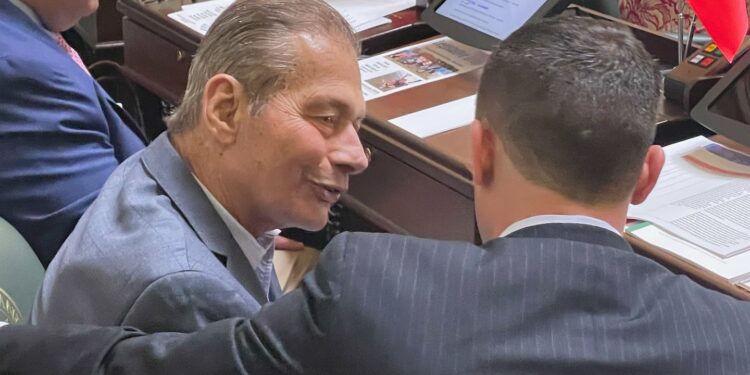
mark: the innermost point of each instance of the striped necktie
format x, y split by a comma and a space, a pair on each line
71, 52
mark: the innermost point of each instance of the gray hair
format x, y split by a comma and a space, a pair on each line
255, 41
573, 101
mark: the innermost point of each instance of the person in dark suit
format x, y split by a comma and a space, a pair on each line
182, 234
60, 133
562, 144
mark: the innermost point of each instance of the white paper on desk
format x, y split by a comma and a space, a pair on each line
366, 14
438, 119
734, 269
416, 65
359, 12
200, 16
369, 24
207, 4
704, 208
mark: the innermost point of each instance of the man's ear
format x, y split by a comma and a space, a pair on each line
483, 154
650, 171
222, 98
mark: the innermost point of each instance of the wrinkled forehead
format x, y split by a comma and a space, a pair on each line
322, 55
326, 69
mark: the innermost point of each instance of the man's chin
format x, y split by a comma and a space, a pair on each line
313, 225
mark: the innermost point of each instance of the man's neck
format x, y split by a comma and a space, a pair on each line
32, 14
200, 157
531, 202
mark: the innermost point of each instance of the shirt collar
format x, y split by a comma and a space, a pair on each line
253, 248
32, 15
558, 219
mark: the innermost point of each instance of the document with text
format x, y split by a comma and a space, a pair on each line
699, 203
200, 16
497, 18
361, 14
417, 65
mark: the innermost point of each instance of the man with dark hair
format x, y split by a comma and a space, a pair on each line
555, 289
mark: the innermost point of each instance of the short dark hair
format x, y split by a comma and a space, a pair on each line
573, 101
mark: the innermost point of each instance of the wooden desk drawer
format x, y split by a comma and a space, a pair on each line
392, 192
156, 63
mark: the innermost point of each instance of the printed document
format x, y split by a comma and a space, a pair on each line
361, 14
497, 18
416, 65
200, 16
734, 268
699, 203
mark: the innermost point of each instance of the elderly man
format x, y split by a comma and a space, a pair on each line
562, 145
61, 135
266, 137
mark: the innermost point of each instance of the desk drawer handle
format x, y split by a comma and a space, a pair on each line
181, 55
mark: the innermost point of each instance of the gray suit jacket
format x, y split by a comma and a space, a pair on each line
150, 253
549, 299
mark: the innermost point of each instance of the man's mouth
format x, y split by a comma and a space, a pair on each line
328, 192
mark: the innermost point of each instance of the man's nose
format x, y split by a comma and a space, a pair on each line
348, 153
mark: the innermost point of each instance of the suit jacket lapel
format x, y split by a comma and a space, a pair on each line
170, 172
276, 292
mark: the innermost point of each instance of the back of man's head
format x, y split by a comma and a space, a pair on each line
573, 102
256, 42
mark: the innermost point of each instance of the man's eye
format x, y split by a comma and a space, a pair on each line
331, 120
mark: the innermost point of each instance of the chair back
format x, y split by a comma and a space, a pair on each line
21, 275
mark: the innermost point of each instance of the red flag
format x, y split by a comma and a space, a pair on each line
725, 21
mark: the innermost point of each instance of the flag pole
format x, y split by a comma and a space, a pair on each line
681, 32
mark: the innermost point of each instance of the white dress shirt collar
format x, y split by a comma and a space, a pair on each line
33, 16
254, 248
558, 219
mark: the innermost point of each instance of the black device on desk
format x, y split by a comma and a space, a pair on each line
725, 109
688, 82
481, 23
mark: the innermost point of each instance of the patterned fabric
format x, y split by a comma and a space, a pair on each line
71, 52
658, 15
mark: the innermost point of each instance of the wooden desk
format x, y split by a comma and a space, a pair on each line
679, 265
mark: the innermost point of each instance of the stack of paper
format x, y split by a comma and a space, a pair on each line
366, 14
699, 203
361, 14
200, 16
699, 209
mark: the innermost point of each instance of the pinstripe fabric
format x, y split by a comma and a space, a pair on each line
551, 299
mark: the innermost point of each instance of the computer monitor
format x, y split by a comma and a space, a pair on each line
726, 107
482, 23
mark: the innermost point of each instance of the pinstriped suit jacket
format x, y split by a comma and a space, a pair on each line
551, 299
548, 299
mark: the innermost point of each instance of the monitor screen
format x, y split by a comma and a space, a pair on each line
734, 102
725, 109
496, 18
483, 23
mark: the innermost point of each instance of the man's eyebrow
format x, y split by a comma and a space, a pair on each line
336, 103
